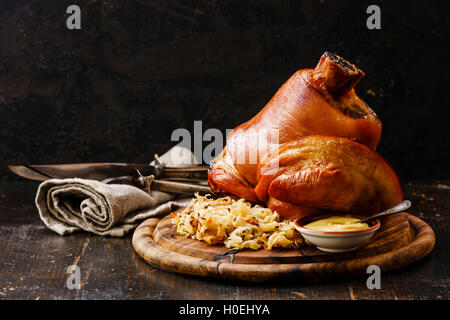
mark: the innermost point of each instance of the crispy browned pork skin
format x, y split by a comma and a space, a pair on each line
320, 101
324, 173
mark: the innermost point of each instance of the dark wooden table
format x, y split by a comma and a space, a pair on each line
34, 261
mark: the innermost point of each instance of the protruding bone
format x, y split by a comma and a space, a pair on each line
335, 76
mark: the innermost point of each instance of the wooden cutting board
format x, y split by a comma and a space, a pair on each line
401, 240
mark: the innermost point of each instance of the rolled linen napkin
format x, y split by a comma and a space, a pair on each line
69, 205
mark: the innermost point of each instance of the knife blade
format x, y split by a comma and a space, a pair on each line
123, 173
177, 178
102, 171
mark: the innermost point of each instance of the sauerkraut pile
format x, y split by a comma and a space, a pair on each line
236, 224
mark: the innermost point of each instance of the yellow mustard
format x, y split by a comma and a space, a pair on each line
337, 224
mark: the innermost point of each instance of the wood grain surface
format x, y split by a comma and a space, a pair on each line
402, 239
34, 260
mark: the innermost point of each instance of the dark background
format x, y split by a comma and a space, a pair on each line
137, 70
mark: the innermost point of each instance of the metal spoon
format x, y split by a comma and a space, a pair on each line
402, 206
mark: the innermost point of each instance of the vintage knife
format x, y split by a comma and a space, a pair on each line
101, 171
184, 179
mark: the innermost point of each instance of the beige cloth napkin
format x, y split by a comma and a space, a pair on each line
69, 205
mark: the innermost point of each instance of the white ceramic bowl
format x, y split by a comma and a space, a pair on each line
335, 241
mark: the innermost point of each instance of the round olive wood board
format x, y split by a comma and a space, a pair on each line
401, 240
